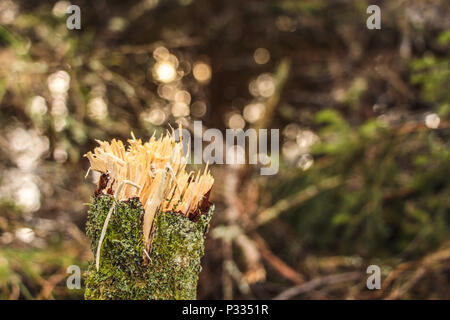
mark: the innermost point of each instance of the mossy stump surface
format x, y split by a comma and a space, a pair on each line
174, 264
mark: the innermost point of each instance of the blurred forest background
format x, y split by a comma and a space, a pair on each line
363, 116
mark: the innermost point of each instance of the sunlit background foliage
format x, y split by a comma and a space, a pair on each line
364, 122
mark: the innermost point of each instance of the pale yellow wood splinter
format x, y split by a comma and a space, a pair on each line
158, 168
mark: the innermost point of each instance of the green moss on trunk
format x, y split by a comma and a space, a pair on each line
177, 247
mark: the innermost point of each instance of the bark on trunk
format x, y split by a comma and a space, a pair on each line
125, 272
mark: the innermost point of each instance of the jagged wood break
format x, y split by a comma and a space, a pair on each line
147, 221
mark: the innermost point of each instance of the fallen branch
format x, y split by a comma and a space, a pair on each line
316, 283
296, 199
276, 262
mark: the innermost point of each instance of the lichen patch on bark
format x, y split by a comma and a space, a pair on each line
177, 247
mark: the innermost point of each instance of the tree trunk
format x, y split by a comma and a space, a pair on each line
125, 270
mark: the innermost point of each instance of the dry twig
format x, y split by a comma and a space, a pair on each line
316, 283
